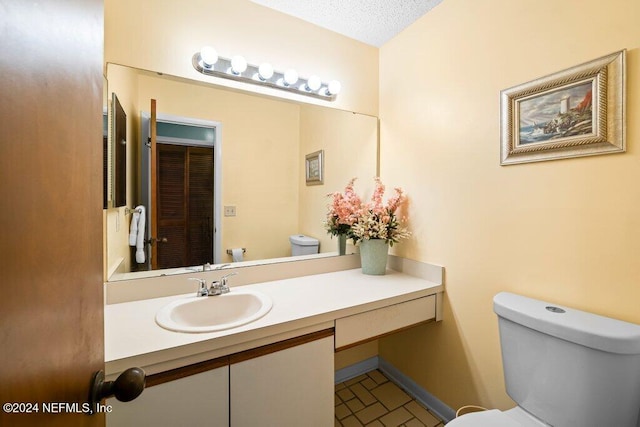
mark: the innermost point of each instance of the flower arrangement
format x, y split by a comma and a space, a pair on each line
344, 211
365, 221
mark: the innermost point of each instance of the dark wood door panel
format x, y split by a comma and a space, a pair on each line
185, 205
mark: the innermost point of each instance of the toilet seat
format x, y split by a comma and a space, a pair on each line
516, 417
491, 418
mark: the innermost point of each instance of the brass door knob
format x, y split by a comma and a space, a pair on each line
154, 240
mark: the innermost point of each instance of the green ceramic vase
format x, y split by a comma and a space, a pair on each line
373, 256
342, 244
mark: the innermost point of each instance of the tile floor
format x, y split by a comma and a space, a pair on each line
372, 400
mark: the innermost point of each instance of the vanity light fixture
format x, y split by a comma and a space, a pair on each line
313, 84
290, 77
209, 63
209, 56
265, 71
333, 88
238, 65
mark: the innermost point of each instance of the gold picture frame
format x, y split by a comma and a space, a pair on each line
314, 168
576, 112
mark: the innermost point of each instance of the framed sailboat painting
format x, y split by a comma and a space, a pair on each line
576, 112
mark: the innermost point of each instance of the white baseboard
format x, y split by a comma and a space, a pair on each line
427, 399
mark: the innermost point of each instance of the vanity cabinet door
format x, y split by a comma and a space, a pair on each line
197, 400
290, 387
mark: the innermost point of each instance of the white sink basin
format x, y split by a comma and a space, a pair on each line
208, 314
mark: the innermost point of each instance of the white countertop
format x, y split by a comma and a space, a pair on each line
300, 305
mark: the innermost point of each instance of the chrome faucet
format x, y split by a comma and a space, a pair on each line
205, 267
224, 286
208, 267
217, 288
202, 287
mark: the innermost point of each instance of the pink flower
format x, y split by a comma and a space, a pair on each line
344, 210
376, 199
396, 201
347, 214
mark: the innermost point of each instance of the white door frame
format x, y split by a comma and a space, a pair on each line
145, 182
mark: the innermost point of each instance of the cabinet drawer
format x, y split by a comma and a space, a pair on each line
370, 324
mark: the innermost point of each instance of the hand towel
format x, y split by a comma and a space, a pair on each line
140, 258
133, 230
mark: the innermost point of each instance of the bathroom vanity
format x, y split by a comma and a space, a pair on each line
276, 370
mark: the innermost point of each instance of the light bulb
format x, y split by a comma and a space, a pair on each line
238, 64
313, 83
265, 71
333, 88
209, 56
290, 77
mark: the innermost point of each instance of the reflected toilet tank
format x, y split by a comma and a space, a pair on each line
303, 245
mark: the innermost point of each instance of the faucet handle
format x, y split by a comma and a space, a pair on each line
226, 276
202, 287
224, 287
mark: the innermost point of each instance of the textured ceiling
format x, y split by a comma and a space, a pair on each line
370, 21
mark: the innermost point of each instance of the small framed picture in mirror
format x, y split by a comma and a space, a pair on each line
314, 168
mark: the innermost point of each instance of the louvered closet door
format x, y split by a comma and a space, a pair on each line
200, 206
185, 205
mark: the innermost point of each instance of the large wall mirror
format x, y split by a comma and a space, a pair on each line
230, 174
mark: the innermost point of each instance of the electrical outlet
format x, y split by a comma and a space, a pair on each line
229, 211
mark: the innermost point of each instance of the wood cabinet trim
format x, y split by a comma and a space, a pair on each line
279, 346
208, 365
186, 371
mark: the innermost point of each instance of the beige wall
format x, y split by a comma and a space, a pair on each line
566, 231
350, 145
353, 355
163, 35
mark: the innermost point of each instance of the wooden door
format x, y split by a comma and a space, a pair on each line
184, 205
51, 307
200, 203
171, 212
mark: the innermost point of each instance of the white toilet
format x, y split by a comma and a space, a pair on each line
303, 245
564, 368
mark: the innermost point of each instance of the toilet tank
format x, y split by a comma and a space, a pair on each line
303, 245
568, 367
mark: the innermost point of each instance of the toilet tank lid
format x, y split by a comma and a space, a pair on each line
580, 327
302, 240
